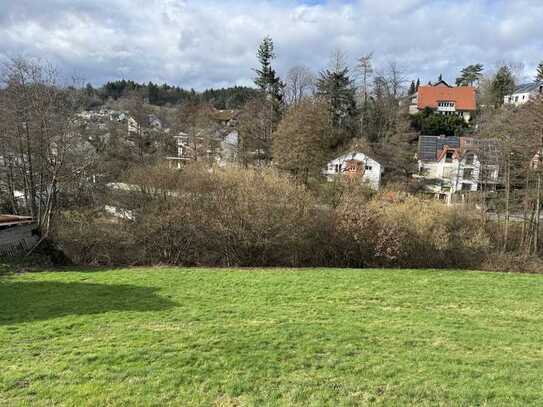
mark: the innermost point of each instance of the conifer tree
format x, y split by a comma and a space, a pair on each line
337, 88
539, 76
412, 88
502, 85
267, 80
470, 75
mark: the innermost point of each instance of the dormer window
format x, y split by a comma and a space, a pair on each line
449, 156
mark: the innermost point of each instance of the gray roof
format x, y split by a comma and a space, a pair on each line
529, 87
430, 145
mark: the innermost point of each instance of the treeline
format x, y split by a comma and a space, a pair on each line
164, 94
273, 206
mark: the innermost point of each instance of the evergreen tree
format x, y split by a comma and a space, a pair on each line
502, 85
153, 93
470, 75
89, 90
418, 85
338, 89
440, 78
539, 76
412, 88
267, 80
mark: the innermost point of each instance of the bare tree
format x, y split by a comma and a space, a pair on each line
195, 122
300, 82
43, 151
256, 127
364, 68
338, 60
396, 79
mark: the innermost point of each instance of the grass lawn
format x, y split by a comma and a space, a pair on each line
270, 337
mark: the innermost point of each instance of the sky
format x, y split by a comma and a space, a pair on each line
212, 43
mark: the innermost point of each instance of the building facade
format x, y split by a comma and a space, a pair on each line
524, 93
457, 164
445, 99
355, 165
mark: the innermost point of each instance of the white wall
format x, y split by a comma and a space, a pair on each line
452, 174
517, 99
372, 173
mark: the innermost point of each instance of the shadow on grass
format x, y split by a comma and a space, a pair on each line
42, 300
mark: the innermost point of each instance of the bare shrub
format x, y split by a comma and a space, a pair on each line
230, 217
406, 231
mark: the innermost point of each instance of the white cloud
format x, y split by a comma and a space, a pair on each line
208, 43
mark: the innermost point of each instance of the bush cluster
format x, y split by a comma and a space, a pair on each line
244, 217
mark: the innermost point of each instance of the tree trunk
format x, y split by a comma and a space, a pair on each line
507, 194
537, 214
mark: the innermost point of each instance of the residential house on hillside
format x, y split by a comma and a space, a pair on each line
181, 151
218, 143
226, 118
453, 164
445, 99
524, 93
355, 165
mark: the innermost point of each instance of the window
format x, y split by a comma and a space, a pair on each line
368, 167
516, 98
468, 173
337, 168
466, 186
449, 157
470, 158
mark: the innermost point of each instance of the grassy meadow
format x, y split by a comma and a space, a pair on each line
270, 337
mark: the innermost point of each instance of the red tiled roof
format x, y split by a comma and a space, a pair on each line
463, 96
441, 154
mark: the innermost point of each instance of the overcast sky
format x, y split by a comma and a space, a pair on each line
206, 43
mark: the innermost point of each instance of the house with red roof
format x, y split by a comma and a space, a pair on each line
445, 99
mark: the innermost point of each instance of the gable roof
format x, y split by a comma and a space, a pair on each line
442, 83
463, 96
433, 148
528, 87
354, 156
430, 146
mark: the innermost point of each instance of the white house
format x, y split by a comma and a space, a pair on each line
524, 93
355, 164
457, 164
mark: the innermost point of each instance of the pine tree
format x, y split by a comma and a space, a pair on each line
539, 76
412, 88
502, 85
338, 89
267, 80
470, 75
418, 85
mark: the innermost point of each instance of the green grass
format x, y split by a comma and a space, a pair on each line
270, 337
